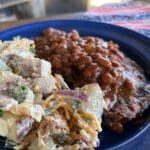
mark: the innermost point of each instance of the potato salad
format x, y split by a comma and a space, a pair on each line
38, 110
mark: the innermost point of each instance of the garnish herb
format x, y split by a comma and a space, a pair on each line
75, 105
62, 138
49, 111
9, 143
1, 112
32, 50
20, 93
88, 119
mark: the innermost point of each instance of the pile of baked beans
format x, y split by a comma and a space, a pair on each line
83, 60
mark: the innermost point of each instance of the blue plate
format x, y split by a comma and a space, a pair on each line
132, 44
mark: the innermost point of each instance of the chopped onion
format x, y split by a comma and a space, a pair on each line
73, 94
23, 127
7, 102
98, 143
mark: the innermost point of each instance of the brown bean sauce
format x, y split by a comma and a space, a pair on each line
83, 60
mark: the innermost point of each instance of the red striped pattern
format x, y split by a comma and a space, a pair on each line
121, 10
137, 9
134, 24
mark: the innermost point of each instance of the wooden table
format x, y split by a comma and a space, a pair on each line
7, 25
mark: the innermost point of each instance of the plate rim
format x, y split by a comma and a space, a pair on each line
128, 31
75, 20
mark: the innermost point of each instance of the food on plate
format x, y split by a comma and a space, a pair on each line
38, 110
66, 125
29, 67
23, 48
83, 60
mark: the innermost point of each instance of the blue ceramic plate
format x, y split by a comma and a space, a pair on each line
132, 44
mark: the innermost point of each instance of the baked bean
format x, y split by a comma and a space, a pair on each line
48, 32
101, 50
62, 49
81, 43
107, 78
76, 49
41, 41
65, 58
74, 58
98, 40
95, 56
90, 39
117, 127
71, 46
81, 67
46, 48
115, 63
91, 72
83, 60
120, 55
74, 35
56, 61
113, 47
104, 62
114, 73
53, 46
115, 58
129, 84
134, 107
67, 71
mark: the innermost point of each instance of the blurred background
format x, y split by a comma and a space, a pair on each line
11, 10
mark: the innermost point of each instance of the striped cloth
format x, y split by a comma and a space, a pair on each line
135, 16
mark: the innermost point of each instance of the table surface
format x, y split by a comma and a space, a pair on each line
6, 25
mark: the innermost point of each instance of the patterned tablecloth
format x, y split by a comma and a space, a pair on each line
135, 16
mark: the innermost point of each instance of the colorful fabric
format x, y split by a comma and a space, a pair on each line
135, 16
